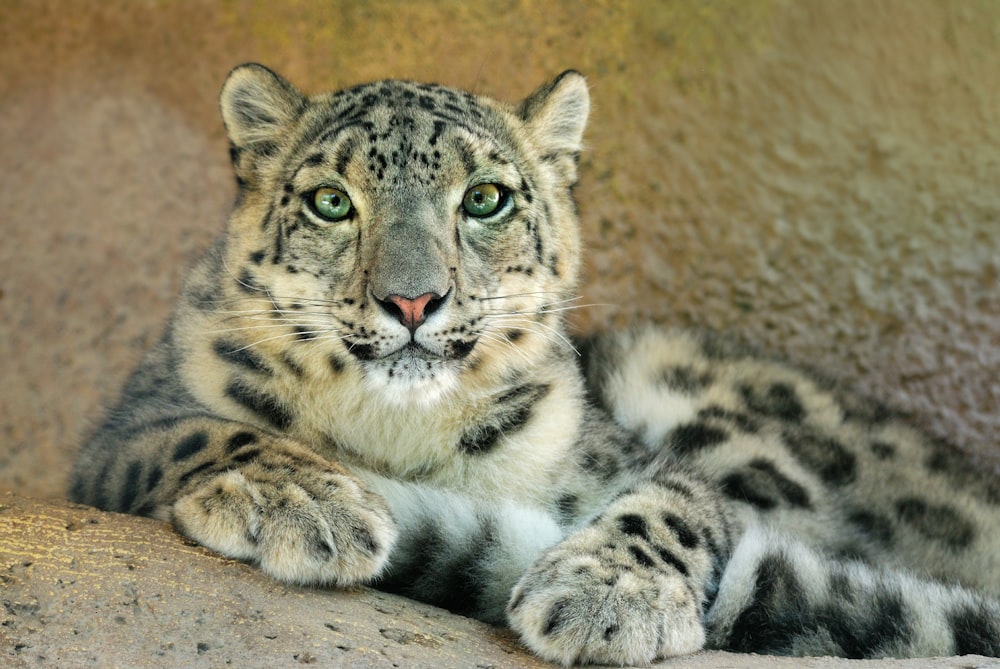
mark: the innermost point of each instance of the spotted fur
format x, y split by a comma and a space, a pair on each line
390, 396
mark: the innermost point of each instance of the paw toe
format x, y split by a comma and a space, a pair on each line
578, 610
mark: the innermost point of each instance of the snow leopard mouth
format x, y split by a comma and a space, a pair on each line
412, 353
412, 373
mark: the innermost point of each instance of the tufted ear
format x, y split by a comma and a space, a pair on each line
257, 106
557, 112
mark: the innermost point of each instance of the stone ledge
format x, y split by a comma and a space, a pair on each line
82, 588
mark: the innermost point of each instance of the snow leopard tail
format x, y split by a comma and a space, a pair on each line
778, 597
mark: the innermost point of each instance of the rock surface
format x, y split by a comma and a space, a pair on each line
81, 588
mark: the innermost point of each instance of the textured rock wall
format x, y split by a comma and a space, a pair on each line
817, 177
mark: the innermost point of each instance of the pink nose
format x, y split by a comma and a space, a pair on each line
412, 313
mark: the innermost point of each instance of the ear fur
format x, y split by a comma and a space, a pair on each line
557, 113
257, 106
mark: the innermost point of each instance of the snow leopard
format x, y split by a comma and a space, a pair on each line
369, 378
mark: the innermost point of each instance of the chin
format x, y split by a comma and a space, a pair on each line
413, 381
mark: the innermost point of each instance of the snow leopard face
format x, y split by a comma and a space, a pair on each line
412, 230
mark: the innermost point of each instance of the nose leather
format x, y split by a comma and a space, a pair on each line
412, 313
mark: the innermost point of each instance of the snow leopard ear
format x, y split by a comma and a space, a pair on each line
258, 106
557, 112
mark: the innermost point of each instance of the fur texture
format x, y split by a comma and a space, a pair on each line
368, 379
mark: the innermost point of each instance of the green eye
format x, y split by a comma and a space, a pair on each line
482, 200
331, 204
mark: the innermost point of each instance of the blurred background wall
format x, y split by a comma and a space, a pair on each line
818, 177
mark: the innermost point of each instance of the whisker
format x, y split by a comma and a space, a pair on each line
272, 326
271, 317
325, 333
539, 293
532, 326
314, 302
545, 309
504, 341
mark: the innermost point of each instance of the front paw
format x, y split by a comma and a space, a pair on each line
589, 602
303, 521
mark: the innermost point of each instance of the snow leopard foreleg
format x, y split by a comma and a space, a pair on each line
632, 585
459, 553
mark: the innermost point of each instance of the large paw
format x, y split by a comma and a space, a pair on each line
589, 602
302, 519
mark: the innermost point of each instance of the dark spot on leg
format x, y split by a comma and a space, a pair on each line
146, 509
634, 526
190, 445
130, 487
190, 474
678, 487
246, 456
239, 440
322, 548
671, 559
555, 618
681, 530
154, 478
641, 556
517, 601
363, 536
